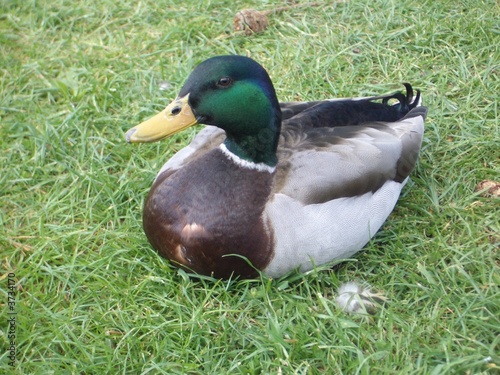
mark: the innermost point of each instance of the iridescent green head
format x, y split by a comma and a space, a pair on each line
233, 93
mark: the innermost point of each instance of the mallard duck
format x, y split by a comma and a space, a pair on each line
274, 187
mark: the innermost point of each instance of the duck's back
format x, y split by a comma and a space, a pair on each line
319, 164
335, 187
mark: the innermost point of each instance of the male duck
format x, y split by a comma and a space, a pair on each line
274, 187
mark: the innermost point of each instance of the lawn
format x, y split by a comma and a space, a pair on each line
91, 296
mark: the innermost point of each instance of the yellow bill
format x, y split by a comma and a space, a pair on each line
177, 116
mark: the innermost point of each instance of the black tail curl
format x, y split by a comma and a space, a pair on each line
406, 102
350, 112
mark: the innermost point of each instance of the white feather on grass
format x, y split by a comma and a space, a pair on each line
355, 298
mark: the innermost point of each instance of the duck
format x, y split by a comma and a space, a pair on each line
270, 188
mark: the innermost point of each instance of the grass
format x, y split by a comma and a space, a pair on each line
93, 297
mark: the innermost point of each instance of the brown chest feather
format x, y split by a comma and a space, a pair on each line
208, 215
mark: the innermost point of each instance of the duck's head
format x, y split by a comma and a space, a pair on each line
233, 93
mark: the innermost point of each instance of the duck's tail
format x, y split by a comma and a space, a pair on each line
354, 111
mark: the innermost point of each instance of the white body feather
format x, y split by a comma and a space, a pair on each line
320, 233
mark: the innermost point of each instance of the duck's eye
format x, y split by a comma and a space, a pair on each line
224, 82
